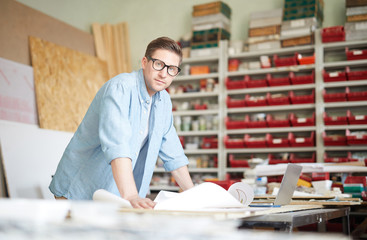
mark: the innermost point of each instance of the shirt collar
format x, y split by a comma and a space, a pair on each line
143, 88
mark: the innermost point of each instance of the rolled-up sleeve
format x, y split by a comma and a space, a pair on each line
114, 126
171, 152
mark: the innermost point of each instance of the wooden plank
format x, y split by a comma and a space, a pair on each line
18, 22
98, 41
66, 82
127, 47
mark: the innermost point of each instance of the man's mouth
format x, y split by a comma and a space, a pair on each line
160, 81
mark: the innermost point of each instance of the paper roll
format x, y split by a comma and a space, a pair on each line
103, 195
242, 192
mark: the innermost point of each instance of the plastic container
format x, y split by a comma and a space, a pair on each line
335, 120
333, 34
272, 141
255, 142
255, 82
278, 98
357, 54
302, 99
356, 95
356, 119
234, 142
235, 124
335, 157
302, 77
235, 84
302, 157
285, 61
278, 158
356, 179
298, 121
356, 137
273, 122
255, 124
303, 59
209, 143
334, 140
320, 176
334, 76
297, 140
274, 80
256, 101
356, 73
238, 163
235, 103
335, 95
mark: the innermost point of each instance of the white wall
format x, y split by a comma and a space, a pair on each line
149, 19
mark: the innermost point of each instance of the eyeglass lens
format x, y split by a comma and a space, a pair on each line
159, 65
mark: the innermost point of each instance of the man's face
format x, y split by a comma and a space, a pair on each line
159, 80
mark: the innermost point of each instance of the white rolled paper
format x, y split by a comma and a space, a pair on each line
103, 195
242, 192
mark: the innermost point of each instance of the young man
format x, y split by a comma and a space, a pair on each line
127, 126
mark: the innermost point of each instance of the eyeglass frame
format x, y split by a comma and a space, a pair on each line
165, 65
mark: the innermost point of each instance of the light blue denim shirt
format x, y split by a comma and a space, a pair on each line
113, 127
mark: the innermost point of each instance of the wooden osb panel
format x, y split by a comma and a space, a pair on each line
66, 82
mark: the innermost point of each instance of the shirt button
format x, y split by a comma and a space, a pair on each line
147, 101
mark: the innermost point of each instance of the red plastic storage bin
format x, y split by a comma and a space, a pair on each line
301, 141
335, 120
250, 123
302, 77
302, 99
276, 141
334, 76
302, 157
200, 106
233, 65
356, 74
285, 61
223, 183
356, 96
238, 163
272, 179
234, 142
337, 157
303, 59
277, 122
334, 140
235, 84
352, 158
335, 96
333, 34
278, 80
255, 101
255, 82
235, 124
356, 54
209, 143
356, 119
278, 158
278, 98
356, 179
302, 121
356, 137
234, 103
320, 176
255, 142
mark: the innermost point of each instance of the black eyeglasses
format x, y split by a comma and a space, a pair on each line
159, 65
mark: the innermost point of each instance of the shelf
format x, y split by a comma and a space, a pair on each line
271, 108
270, 150
195, 77
346, 104
200, 59
270, 130
164, 187
345, 83
294, 68
198, 133
201, 151
300, 49
338, 45
270, 89
347, 148
193, 95
345, 63
344, 127
234, 170
195, 112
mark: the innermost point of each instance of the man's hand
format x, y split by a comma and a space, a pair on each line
141, 203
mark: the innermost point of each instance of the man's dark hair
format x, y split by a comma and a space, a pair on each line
163, 43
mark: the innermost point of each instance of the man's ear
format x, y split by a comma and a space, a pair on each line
144, 62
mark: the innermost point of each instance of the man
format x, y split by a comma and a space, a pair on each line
127, 126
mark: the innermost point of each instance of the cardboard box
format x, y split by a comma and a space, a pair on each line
270, 30
355, 3
304, 40
265, 22
274, 13
357, 18
355, 31
264, 46
356, 11
210, 36
211, 8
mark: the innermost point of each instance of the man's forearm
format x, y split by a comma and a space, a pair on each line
123, 175
182, 177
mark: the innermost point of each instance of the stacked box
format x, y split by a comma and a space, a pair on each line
356, 20
300, 20
210, 24
264, 29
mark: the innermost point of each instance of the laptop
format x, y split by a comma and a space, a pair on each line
287, 187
